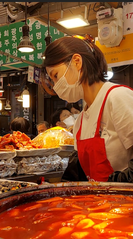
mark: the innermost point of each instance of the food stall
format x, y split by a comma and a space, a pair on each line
42, 159
56, 209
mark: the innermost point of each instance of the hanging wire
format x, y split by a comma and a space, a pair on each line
25, 12
124, 68
94, 7
48, 38
48, 18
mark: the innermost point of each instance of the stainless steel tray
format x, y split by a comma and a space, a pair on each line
37, 152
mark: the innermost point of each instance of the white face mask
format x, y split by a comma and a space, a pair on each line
69, 121
70, 93
75, 116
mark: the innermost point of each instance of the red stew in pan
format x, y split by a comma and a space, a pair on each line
74, 217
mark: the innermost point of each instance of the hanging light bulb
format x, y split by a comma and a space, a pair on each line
1, 90
0, 105
26, 98
8, 106
20, 98
110, 74
25, 45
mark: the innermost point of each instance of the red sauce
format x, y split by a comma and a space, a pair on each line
74, 217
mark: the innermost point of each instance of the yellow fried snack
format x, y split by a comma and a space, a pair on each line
54, 137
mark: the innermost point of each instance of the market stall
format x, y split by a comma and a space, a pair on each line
43, 159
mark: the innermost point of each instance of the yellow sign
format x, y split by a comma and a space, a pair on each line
119, 55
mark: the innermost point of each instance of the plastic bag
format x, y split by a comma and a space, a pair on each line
37, 164
7, 168
54, 137
64, 163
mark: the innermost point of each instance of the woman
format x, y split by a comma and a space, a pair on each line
42, 126
103, 136
63, 118
21, 124
74, 108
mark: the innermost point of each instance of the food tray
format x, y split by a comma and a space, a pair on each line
6, 154
67, 147
66, 150
37, 152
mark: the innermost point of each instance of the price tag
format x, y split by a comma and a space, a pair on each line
128, 17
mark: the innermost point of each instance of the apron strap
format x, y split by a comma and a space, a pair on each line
97, 134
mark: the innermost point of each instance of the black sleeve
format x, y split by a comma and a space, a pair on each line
74, 172
123, 176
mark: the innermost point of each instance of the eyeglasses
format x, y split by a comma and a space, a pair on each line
88, 39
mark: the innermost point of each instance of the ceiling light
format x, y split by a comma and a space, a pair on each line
8, 106
25, 45
72, 22
43, 57
0, 105
26, 98
20, 98
110, 74
1, 91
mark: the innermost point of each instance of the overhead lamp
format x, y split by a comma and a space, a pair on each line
110, 74
0, 105
25, 45
1, 91
26, 98
8, 106
20, 98
74, 21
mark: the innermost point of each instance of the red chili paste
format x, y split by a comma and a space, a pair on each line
87, 216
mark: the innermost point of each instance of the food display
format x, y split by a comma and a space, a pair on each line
30, 165
17, 140
54, 137
20, 155
72, 217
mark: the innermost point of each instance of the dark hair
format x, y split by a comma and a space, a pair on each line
45, 123
94, 67
56, 115
20, 124
73, 105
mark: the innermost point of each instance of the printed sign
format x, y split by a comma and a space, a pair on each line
11, 35
30, 73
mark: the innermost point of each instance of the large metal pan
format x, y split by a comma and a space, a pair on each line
46, 190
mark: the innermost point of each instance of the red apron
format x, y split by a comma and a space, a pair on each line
92, 152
